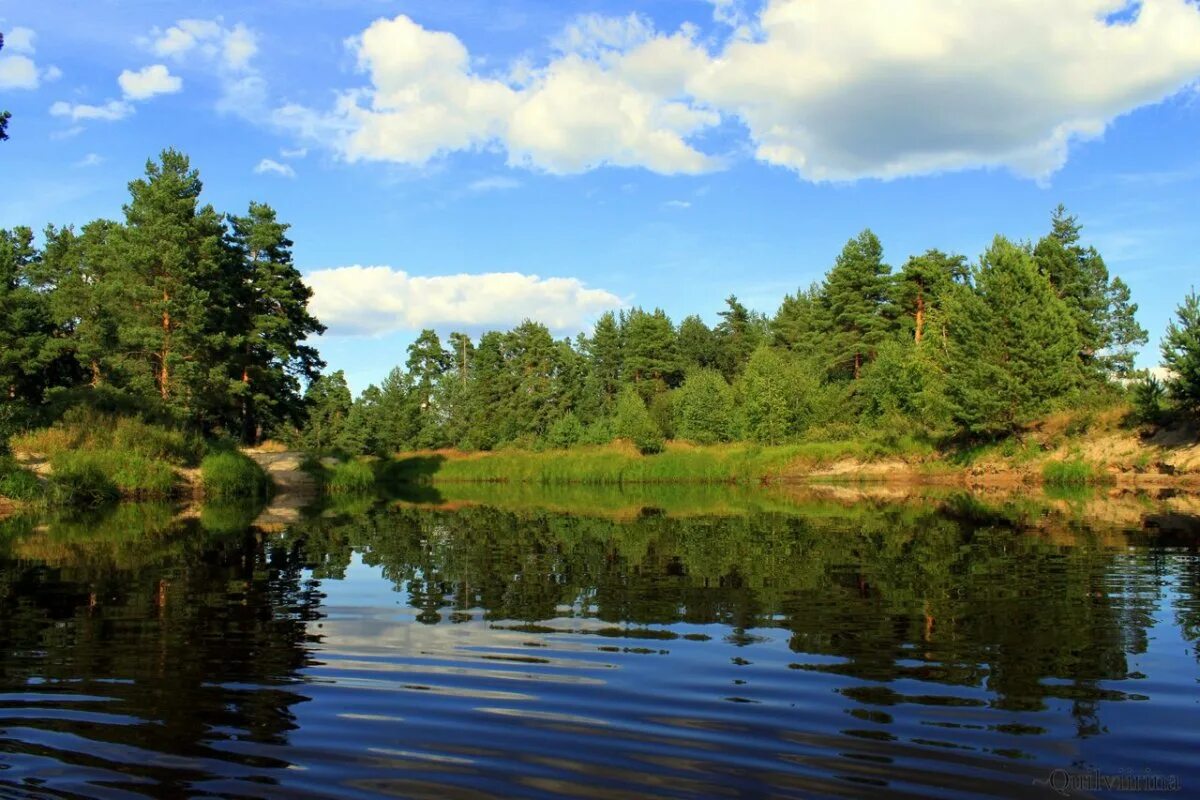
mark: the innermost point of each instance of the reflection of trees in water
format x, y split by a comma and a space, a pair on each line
193, 634
891, 591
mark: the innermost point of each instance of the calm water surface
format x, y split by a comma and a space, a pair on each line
667, 644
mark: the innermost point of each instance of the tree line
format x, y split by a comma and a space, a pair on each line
177, 312
940, 346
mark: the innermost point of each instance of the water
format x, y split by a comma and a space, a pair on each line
487, 642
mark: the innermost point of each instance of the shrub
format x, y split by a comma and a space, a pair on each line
228, 473
567, 431
632, 421
599, 432
351, 477
91, 476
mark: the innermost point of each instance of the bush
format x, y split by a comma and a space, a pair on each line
351, 477
567, 431
704, 408
632, 421
229, 473
599, 432
92, 476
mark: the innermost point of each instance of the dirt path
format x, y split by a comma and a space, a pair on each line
294, 488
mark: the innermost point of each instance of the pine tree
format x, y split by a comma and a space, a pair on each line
26, 327
803, 323
857, 291
737, 336
268, 325
1181, 353
1013, 344
923, 283
651, 352
329, 403
532, 355
698, 348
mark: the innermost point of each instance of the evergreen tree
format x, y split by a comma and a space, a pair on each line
1013, 344
803, 323
268, 326
173, 256
922, 285
857, 291
698, 347
532, 356
329, 403
651, 352
704, 408
1181, 353
737, 336
604, 354
26, 327
1101, 309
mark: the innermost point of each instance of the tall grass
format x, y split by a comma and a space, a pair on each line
623, 464
350, 477
93, 476
17, 483
227, 473
1075, 472
86, 429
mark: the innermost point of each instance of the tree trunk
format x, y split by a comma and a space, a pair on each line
249, 426
95, 373
920, 317
164, 369
857, 365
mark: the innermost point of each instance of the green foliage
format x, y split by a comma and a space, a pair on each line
351, 477
229, 474
1149, 394
774, 395
1012, 350
1076, 472
81, 479
632, 421
567, 431
85, 429
1181, 353
17, 483
704, 408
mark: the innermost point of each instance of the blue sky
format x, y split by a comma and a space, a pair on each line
493, 159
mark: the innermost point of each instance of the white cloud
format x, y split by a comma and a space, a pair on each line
18, 70
90, 160
595, 104
19, 40
227, 51
829, 89
148, 82
78, 112
880, 88
372, 301
298, 152
678, 204
270, 167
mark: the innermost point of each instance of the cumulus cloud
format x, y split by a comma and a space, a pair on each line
18, 70
595, 104
372, 301
828, 89
271, 167
882, 88
148, 82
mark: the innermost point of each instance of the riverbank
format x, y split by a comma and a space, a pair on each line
1056, 452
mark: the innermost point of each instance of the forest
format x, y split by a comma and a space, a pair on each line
195, 319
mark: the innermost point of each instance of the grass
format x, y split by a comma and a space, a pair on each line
350, 478
86, 430
620, 463
89, 477
17, 483
228, 474
1074, 472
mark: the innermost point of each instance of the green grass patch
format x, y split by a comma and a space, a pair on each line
1073, 472
18, 483
82, 429
228, 473
89, 477
350, 477
622, 464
